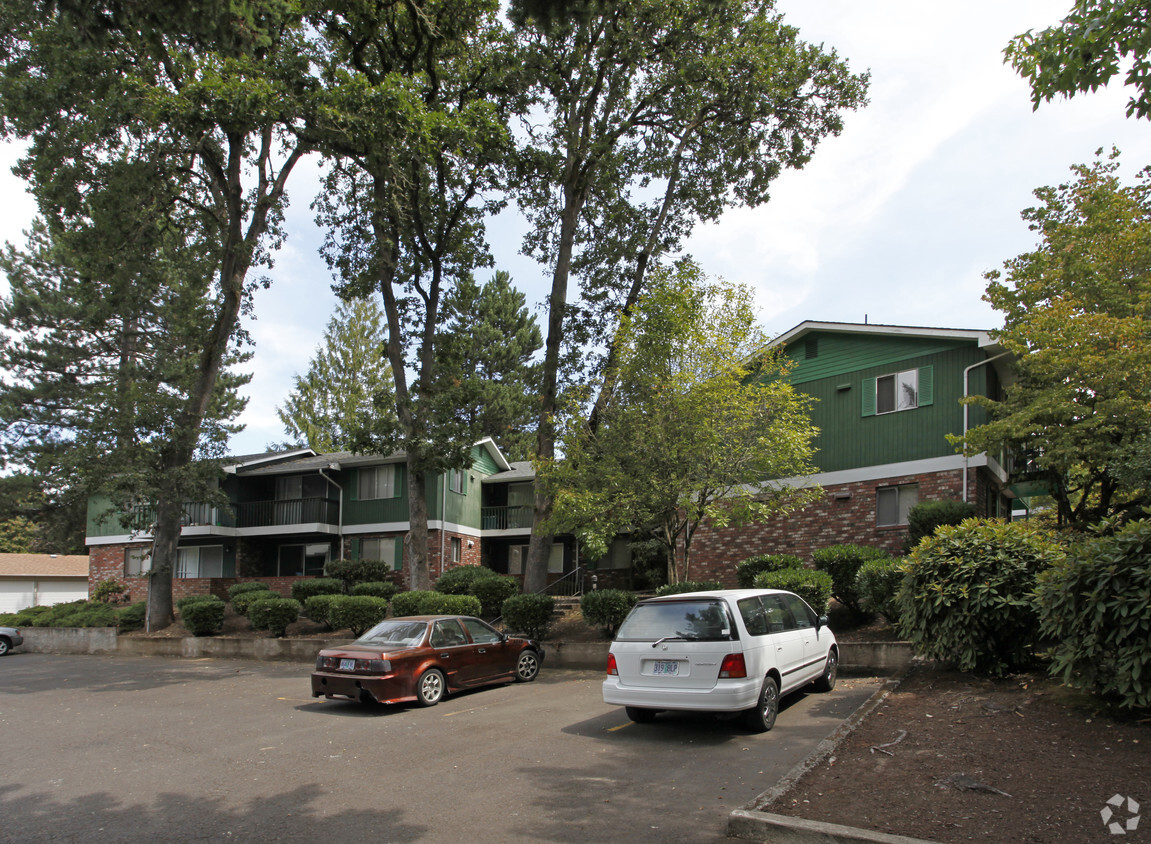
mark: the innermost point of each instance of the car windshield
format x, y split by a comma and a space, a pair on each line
390, 632
694, 620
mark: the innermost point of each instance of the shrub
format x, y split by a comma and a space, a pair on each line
408, 603
25, 618
493, 591
966, 598
842, 562
77, 614
318, 609
358, 613
926, 516
132, 617
248, 586
274, 614
810, 584
376, 588
189, 600
351, 572
606, 608
688, 586
304, 589
458, 581
1095, 607
203, 618
242, 601
529, 614
434, 603
877, 584
110, 591
746, 571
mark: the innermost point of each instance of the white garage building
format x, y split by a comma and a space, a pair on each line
29, 580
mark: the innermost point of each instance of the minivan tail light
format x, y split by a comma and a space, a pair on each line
612, 668
733, 667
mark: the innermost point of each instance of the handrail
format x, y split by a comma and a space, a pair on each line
568, 586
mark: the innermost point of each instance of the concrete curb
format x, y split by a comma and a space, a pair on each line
750, 822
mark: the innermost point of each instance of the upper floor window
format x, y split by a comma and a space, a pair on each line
377, 482
897, 391
457, 481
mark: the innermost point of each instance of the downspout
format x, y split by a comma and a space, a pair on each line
443, 515
966, 408
340, 526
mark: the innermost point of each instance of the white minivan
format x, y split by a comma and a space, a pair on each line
731, 651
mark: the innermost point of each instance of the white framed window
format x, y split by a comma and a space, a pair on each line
516, 556
457, 549
899, 391
377, 482
457, 481
137, 561
892, 504
200, 561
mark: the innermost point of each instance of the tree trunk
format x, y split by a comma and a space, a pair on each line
419, 572
165, 540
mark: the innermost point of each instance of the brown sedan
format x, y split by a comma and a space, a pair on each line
423, 657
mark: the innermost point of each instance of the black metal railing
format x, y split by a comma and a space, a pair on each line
292, 511
571, 585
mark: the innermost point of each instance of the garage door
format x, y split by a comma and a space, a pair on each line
16, 595
62, 591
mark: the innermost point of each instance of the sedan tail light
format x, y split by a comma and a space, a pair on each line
612, 668
733, 667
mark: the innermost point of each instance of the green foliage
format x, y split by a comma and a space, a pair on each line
71, 614
842, 562
17, 535
877, 584
434, 603
966, 599
379, 588
408, 603
688, 586
243, 600
248, 586
274, 614
492, 592
318, 609
926, 516
203, 618
351, 572
810, 584
459, 580
1085, 50
746, 571
109, 591
357, 613
606, 608
530, 615
304, 589
24, 618
1095, 609
131, 617
347, 378
189, 600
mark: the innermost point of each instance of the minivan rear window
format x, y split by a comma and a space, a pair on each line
704, 620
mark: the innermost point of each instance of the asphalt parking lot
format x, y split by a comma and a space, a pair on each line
131, 749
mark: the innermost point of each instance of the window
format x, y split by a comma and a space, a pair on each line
137, 561
200, 561
457, 481
377, 482
297, 560
905, 390
290, 488
380, 548
893, 502
456, 549
556, 559
618, 555
516, 556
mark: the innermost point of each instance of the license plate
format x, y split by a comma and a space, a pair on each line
347, 665
662, 668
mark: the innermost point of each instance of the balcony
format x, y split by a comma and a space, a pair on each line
290, 511
142, 519
505, 518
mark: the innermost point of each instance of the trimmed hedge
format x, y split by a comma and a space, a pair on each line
358, 613
203, 618
688, 586
1095, 606
434, 603
877, 584
274, 614
376, 588
459, 581
408, 603
843, 562
132, 617
493, 591
242, 601
529, 614
304, 589
810, 584
607, 608
248, 586
351, 572
966, 599
318, 609
746, 571
189, 600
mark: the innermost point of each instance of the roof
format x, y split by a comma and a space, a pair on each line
980, 336
306, 460
43, 565
520, 470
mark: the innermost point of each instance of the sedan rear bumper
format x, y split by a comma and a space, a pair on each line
354, 687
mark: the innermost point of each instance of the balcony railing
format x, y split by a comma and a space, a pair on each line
143, 518
502, 518
292, 511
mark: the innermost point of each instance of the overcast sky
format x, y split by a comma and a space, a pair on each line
893, 222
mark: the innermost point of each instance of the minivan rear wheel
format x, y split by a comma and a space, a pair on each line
761, 717
640, 715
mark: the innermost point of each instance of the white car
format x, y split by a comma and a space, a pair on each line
728, 651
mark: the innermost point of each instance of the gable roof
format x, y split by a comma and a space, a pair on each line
43, 565
983, 338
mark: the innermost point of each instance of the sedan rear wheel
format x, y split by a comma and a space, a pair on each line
430, 687
527, 667
761, 718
